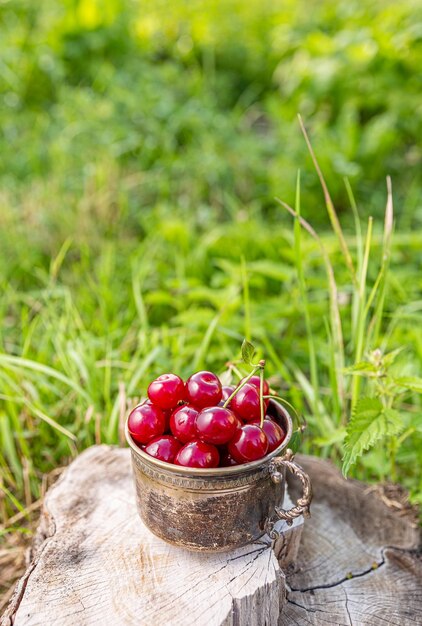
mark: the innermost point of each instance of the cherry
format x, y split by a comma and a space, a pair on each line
248, 444
216, 425
145, 422
164, 448
246, 403
165, 412
203, 389
226, 392
275, 434
182, 423
255, 380
166, 391
198, 454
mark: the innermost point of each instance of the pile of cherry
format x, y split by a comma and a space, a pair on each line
192, 424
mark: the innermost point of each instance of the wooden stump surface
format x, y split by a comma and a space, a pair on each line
358, 562
93, 561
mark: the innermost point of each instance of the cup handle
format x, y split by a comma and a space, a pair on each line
303, 504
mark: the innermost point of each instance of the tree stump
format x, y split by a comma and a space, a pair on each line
358, 562
93, 561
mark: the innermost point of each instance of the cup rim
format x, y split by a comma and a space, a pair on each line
215, 471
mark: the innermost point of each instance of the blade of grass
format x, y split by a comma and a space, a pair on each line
11, 413
359, 254
323, 421
313, 367
8, 446
137, 375
14, 500
330, 206
16, 362
361, 318
335, 396
246, 300
138, 299
49, 420
375, 324
335, 318
58, 260
43, 416
283, 371
204, 345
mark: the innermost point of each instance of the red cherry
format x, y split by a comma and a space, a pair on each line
145, 422
226, 392
248, 444
164, 448
216, 425
203, 389
182, 423
256, 382
198, 454
166, 391
165, 412
275, 434
246, 403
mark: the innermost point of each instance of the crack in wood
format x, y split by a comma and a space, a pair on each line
41, 541
408, 613
300, 606
350, 576
346, 606
374, 567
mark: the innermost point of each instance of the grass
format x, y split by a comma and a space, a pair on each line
85, 329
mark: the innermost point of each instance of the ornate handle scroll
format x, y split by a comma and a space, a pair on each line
303, 504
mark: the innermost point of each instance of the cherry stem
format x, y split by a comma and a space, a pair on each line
235, 370
261, 393
244, 382
283, 401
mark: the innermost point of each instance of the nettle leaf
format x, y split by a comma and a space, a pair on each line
412, 383
389, 358
370, 422
363, 367
248, 350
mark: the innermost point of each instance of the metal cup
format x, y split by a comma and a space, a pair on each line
214, 510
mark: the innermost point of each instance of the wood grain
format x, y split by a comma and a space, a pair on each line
358, 561
94, 562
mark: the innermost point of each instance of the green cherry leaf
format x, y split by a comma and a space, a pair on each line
248, 350
295, 441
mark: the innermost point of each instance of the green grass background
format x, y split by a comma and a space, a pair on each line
143, 145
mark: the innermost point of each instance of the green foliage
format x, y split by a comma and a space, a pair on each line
248, 350
370, 422
374, 418
201, 100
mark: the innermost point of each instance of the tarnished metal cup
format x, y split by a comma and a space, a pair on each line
214, 510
